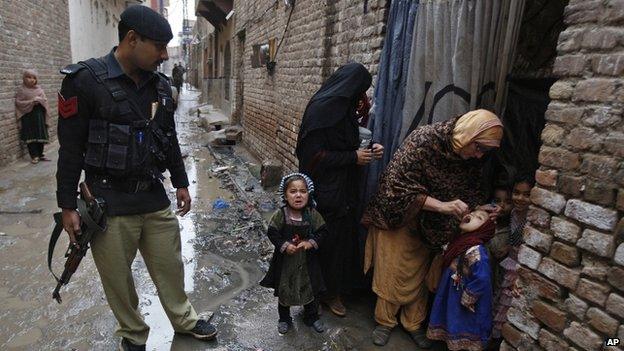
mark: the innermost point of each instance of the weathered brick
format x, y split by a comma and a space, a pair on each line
529, 257
570, 40
504, 346
514, 336
563, 275
599, 192
571, 185
553, 317
595, 89
540, 285
614, 143
547, 178
615, 305
538, 217
576, 306
593, 215
537, 239
550, 342
548, 199
601, 38
594, 267
523, 322
602, 321
592, 291
597, 243
569, 65
562, 113
616, 278
599, 167
586, 11
583, 138
583, 336
559, 158
619, 255
553, 135
611, 65
614, 11
565, 230
561, 90
602, 117
565, 254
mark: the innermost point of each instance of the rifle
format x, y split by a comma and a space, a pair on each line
92, 221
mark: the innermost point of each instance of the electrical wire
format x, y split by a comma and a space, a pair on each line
292, 8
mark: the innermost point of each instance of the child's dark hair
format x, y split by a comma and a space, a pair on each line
525, 178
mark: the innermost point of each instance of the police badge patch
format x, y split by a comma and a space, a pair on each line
67, 108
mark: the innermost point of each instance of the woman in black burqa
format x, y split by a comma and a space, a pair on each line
328, 151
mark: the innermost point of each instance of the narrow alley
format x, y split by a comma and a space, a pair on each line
225, 252
468, 154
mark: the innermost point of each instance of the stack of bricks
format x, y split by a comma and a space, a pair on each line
35, 34
572, 261
321, 36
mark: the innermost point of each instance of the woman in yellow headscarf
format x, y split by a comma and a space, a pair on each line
432, 181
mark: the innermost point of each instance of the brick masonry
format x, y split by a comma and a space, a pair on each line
322, 36
572, 253
35, 34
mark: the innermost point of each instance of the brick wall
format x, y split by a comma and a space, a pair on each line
572, 272
35, 34
322, 35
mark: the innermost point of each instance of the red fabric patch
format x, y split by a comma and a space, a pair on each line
67, 108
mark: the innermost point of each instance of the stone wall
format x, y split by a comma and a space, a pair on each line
572, 273
35, 34
321, 36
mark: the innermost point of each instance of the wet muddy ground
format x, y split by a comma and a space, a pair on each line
224, 248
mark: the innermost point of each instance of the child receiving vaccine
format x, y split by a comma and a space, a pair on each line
296, 230
461, 314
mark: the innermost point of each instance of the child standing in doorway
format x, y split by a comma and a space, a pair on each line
33, 115
296, 230
520, 197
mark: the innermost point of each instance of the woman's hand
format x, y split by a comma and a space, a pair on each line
291, 249
456, 208
378, 151
305, 245
364, 156
492, 210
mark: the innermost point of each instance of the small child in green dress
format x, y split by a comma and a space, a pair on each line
296, 230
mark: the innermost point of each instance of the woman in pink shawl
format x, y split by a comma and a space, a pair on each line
33, 114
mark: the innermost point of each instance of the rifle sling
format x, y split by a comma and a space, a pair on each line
56, 232
58, 228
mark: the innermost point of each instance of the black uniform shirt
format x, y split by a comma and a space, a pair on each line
73, 133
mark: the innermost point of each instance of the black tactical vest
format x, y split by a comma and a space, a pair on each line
123, 142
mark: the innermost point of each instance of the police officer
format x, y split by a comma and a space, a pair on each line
116, 123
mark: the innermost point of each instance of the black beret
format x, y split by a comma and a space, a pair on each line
147, 23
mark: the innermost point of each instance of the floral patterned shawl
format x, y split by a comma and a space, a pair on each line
425, 165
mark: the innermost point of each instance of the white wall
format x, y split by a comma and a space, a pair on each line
93, 26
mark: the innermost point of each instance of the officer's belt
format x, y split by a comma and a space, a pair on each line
130, 186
